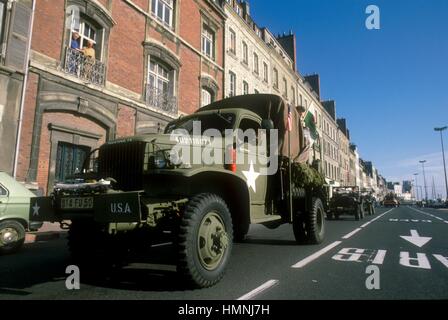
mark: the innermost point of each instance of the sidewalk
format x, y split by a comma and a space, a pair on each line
49, 231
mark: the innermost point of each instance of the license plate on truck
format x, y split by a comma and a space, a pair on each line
77, 203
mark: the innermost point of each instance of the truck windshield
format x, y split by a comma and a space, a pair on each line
218, 121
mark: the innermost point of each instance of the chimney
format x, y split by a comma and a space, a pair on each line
314, 82
330, 107
342, 123
288, 43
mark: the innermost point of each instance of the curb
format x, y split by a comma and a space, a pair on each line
43, 236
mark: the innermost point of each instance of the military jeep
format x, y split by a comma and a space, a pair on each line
134, 190
346, 201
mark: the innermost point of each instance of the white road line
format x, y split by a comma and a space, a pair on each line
265, 286
315, 255
379, 258
428, 214
366, 224
351, 233
162, 245
381, 215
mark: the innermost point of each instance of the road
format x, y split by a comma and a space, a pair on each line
268, 266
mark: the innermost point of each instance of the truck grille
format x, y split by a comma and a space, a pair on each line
124, 163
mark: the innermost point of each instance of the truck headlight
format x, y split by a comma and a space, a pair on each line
159, 160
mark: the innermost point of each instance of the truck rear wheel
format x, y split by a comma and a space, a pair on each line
205, 240
310, 227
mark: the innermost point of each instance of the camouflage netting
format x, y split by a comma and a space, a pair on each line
305, 176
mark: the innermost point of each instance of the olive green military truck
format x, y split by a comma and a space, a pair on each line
134, 189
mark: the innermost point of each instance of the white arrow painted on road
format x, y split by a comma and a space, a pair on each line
415, 239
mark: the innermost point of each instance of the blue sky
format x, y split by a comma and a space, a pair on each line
390, 84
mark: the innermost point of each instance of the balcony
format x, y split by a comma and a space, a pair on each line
161, 100
83, 67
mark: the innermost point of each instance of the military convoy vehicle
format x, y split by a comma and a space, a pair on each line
346, 201
369, 201
134, 189
391, 201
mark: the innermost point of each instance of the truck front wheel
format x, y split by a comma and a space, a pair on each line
205, 240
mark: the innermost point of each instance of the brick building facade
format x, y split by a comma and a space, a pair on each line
153, 60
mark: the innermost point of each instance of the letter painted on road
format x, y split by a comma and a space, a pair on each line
361, 255
442, 259
421, 262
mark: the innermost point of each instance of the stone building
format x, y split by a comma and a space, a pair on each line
151, 61
330, 143
344, 153
247, 57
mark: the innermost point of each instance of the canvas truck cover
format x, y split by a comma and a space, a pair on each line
271, 107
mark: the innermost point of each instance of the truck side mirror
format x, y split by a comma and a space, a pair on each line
267, 124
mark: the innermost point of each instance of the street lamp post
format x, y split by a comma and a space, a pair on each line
424, 179
416, 185
443, 154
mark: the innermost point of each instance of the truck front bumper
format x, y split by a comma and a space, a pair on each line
123, 207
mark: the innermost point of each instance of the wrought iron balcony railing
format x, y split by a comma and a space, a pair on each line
161, 100
83, 67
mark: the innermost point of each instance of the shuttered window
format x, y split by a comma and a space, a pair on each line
2, 19
17, 44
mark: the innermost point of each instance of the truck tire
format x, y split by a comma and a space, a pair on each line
12, 237
310, 227
205, 241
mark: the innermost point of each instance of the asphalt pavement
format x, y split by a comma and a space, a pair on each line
399, 253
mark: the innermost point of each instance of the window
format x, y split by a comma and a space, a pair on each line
285, 87
232, 77
158, 77
163, 10
208, 40
86, 30
238, 9
256, 65
232, 48
253, 126
206, 97
300, 100
245, 53
293, 92
2, 18
265, 72
275, 78
69, 160
245, 87
3, 192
